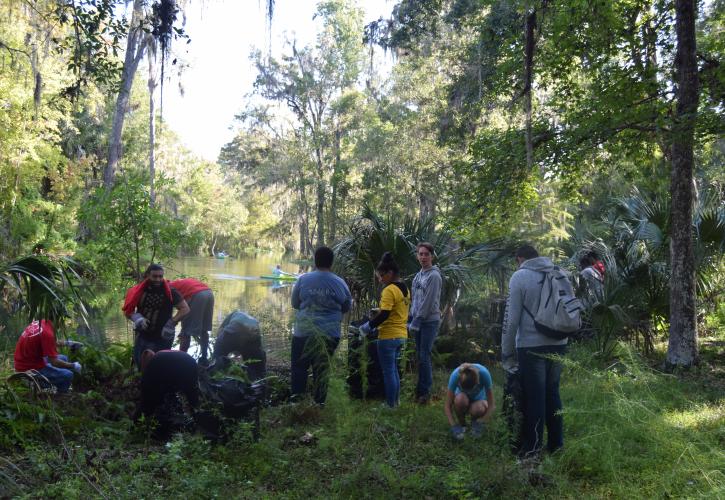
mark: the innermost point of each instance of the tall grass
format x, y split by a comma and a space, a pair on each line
630, 432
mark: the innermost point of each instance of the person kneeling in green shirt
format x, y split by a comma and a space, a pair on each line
470, 391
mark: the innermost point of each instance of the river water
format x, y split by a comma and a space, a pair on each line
236, 284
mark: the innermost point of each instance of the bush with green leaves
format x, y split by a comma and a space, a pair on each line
126, 232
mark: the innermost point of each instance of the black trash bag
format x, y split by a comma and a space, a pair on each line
513, 404
365, 375
170, 418
226, 401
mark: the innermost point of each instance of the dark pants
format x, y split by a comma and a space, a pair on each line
314, 351
197, 323
542, 404
142, 343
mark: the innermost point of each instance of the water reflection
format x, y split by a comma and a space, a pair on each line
236, 285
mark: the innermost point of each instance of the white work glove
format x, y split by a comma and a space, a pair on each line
73, 345
139, 322
169, 330
365, 329
77, 367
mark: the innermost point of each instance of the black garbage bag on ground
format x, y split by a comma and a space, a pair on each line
226, 401
365, 376
171, 417
513, 404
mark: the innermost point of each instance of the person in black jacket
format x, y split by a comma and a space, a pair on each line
167, 372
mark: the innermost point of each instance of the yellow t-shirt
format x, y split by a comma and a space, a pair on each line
392, 299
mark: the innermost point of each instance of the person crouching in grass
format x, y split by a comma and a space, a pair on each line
470, 392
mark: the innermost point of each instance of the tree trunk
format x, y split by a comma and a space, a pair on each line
335, 181
304, 214
135, 45
152, 82
683, 350
320, 198
529, 45
320, 213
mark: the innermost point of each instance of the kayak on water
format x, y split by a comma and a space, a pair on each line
281, 277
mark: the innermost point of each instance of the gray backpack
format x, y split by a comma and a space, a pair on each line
559, 312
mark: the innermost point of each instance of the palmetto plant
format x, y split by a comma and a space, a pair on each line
635, 247
42, 287
371, 235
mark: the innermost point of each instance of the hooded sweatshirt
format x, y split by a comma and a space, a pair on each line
518, 325
427, 286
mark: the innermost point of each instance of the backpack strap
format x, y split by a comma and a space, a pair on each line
543, 283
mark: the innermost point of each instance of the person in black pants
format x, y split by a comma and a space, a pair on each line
167, 372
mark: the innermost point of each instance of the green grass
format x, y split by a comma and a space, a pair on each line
630, 432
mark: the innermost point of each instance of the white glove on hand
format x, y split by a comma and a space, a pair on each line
414, 326
365, 329
73, 345
139, 322
169, 330
77, 367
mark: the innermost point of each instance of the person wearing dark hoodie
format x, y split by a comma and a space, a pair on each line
150, 306
391, 324
522, 347
425, 317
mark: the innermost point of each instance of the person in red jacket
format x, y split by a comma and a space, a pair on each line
36, 350
149, 305
197, 323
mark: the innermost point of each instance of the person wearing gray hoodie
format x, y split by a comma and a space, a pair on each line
522, 347
425, 316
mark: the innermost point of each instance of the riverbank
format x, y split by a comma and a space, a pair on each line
631, 432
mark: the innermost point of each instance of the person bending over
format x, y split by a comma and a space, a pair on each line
240, 333
470, 392
198, 322
165, 372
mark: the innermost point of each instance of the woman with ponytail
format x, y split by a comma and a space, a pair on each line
391, 323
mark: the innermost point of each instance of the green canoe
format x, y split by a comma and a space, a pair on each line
281, 277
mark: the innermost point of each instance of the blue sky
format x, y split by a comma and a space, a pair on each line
219, 72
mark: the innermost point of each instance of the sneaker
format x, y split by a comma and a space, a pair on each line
422, 400
477, 429
458, 432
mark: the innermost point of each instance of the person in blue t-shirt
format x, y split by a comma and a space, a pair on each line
470, 391
321, 298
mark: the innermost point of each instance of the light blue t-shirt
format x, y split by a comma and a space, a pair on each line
321, 298
478, 392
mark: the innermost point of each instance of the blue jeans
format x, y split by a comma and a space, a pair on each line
541, 401
314, 351
59, 377
424, 339
389, 354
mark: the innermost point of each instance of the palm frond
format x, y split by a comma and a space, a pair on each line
46, 287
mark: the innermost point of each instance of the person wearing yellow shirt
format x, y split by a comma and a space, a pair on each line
391, 323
